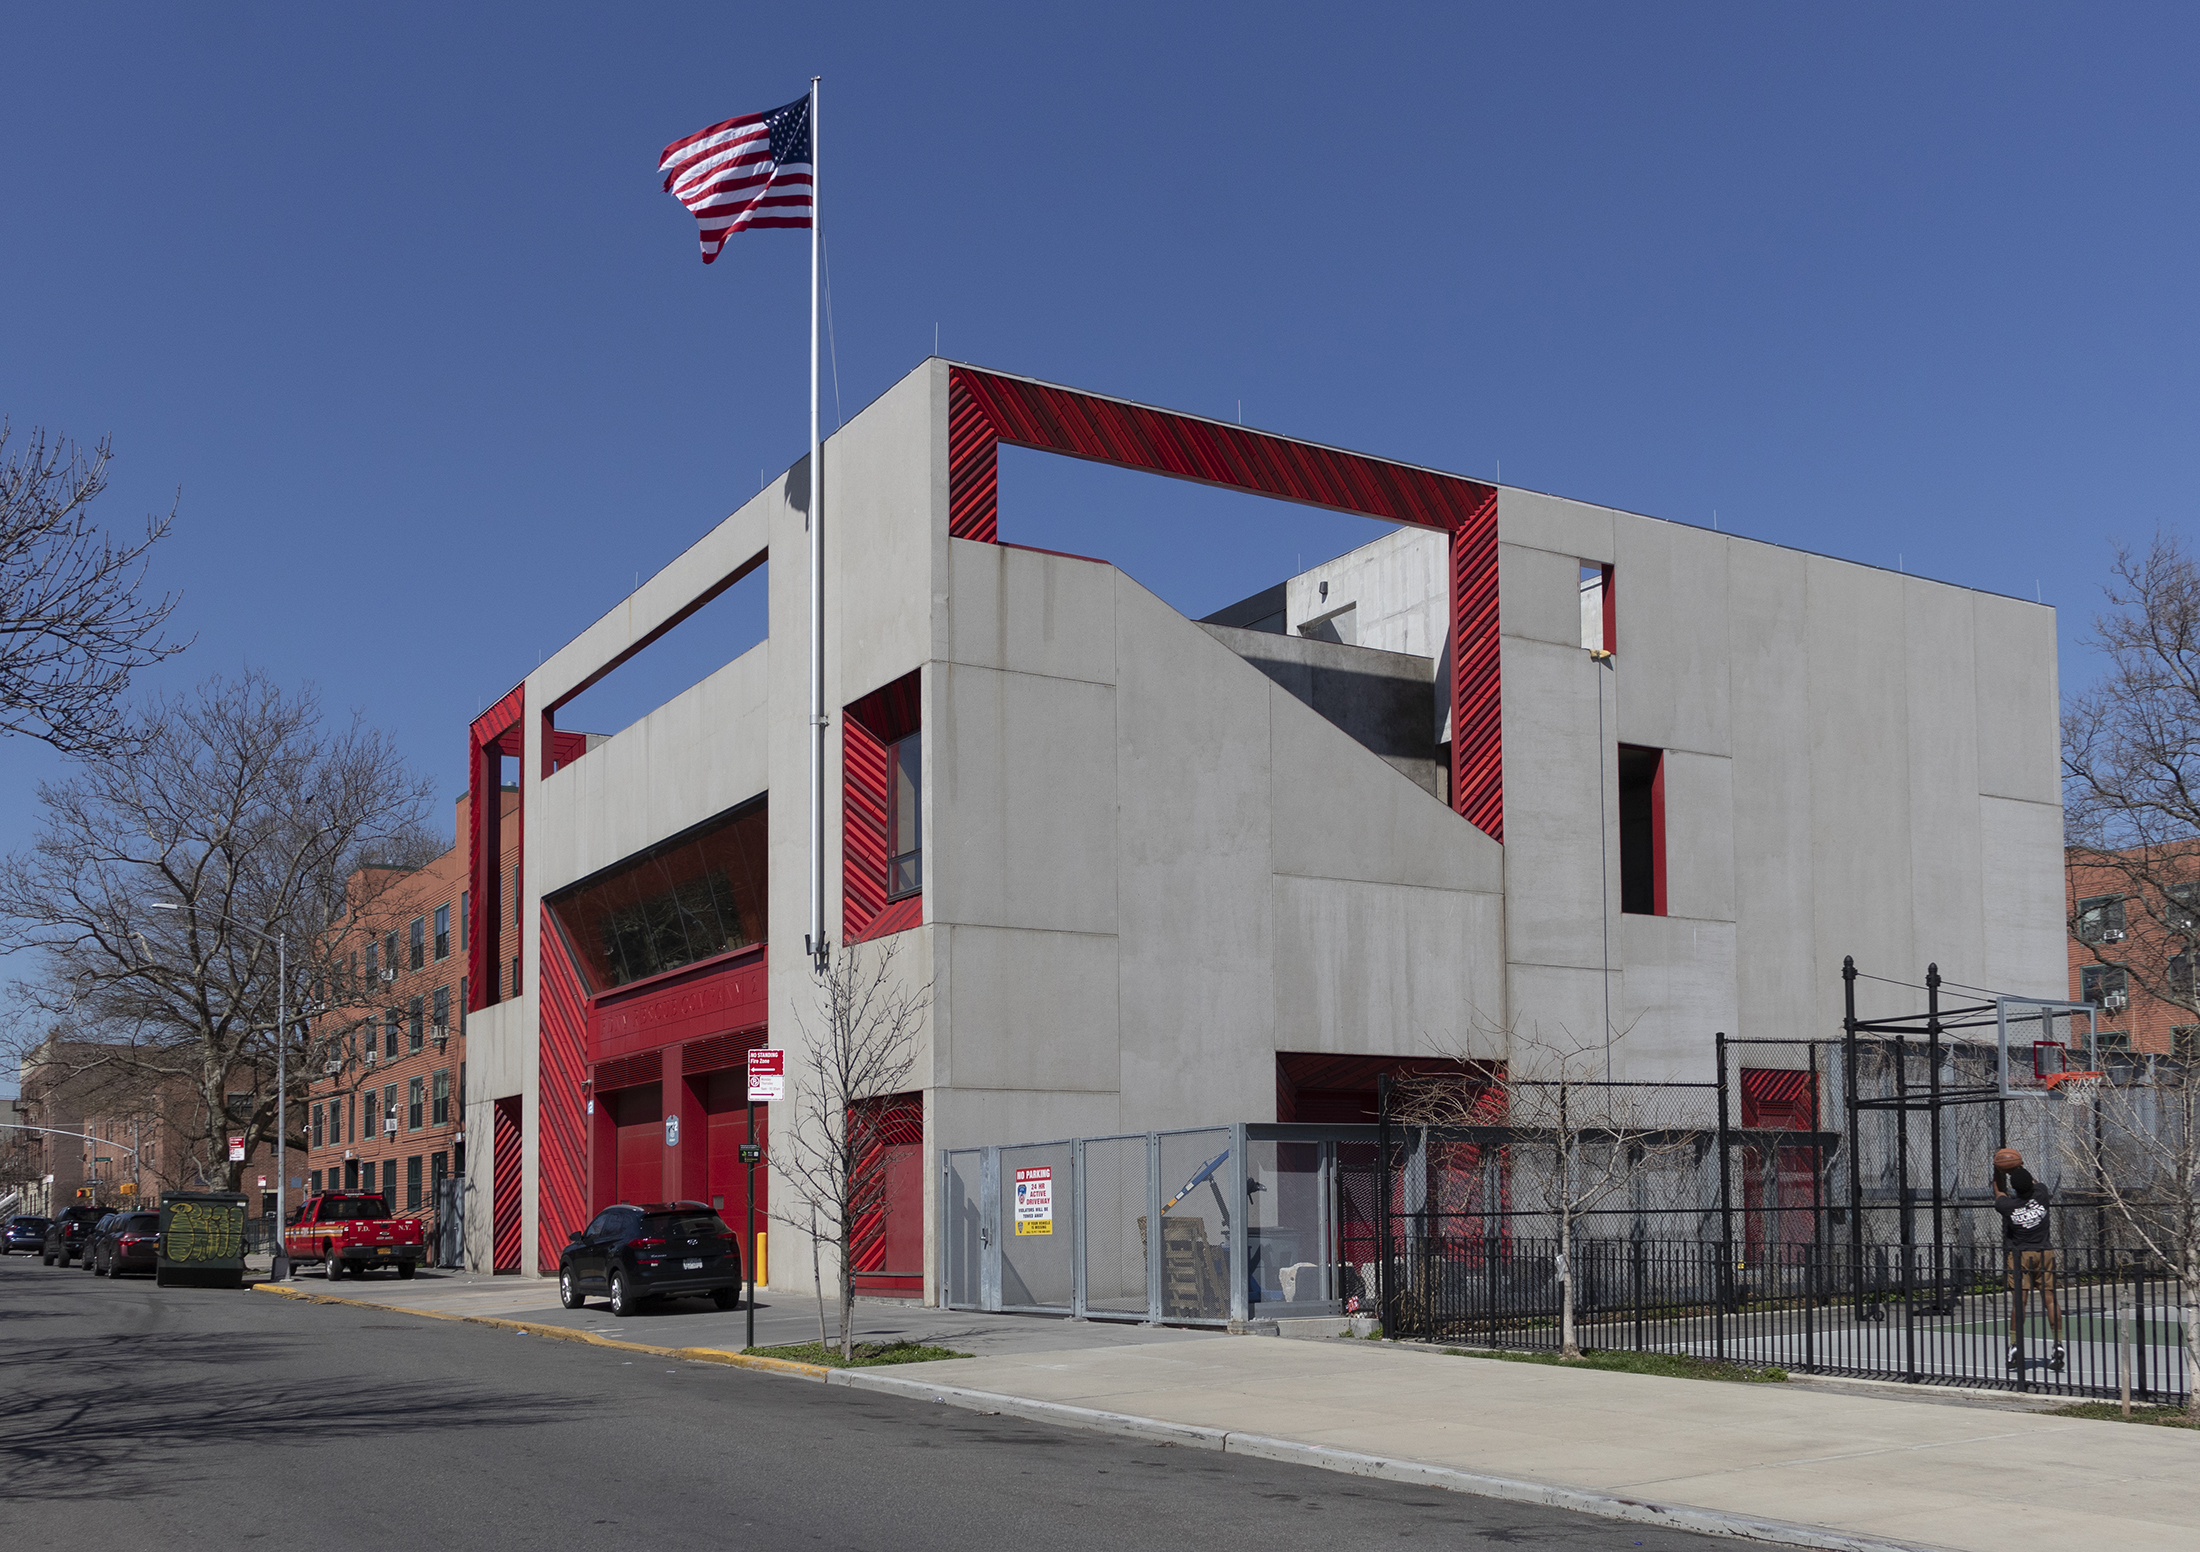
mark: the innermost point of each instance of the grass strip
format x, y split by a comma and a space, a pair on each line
868, 1355
1678, 1366
2113, 1412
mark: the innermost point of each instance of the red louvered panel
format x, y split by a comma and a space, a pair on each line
627, 1072
973, 466
887, 1235
1477, 714
863, 828
720, 1051
985, 409
561, 1198
900, 916
504, 1186
1778, 1098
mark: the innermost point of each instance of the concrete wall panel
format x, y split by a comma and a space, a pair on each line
1030, 1010
1539, 522
1557, 776
2026, 950
1037, 614
1539, 595
1385, 970
1023, 801
2018, 700
1670, 586
1939, 632
1699, 836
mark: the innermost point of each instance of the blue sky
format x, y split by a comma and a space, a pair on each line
393, 296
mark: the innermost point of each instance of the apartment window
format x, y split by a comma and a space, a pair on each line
2183, 914
351, 1176
316, 1126
389, 1108
462, 980
465, 919
393, 1019
389, 953
2101, 919
351, 1110
440, 1023
315, 1177
2104, 987
442, 932
416, 943
1641, 830
439, 1170
415, 1015
516, 918
2184, 1042
2111, 1040
514, 992
414, 1089
905, 817
374, 963
2180, 975
442, 1111
412, 1183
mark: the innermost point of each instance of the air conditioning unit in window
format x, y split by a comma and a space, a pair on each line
2114, 1002
390, 974
439, 1033
2113, 935
332, 1067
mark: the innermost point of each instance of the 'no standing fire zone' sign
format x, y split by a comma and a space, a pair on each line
1035, 1200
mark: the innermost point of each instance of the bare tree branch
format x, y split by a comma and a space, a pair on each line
73, 625
250, 820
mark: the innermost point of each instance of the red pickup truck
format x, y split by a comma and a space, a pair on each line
349, 1231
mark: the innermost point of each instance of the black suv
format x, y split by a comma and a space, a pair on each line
631, 1254
66, 1235
124, 1242
24, 1232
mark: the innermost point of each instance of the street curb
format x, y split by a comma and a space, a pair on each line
1611, 1506
567, 1334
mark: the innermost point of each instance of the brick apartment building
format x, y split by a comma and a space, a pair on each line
2130, 942
389, 1115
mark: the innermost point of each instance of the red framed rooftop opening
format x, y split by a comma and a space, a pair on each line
986, 409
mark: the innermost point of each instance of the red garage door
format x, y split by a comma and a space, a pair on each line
639, 1115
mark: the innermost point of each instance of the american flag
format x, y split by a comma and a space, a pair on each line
747, 172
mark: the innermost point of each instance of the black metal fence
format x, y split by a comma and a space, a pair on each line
1811, 1308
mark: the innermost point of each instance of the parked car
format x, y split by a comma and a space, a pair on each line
24, 1232
88, 1253
349, 1231
65, 1235
125, 1242
633, 1253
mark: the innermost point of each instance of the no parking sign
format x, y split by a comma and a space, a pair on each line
1035, 1200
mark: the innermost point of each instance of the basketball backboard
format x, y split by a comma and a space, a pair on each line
2040, 1041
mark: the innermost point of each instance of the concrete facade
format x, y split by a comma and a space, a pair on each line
1159, 853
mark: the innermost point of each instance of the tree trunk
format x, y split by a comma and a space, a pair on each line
817, 1281
1568, 1345
847, 1288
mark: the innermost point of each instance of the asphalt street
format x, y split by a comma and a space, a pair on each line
141, 1417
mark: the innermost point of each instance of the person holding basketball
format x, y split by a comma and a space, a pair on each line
2028, 1249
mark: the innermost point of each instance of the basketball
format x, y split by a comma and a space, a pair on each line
2007, 1158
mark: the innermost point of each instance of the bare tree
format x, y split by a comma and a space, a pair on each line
73, 624
2133, 1142
161, 880
833, 1156
1575, 1141
2131, 776
2131, 811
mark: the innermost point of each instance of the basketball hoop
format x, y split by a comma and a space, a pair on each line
2071, 1084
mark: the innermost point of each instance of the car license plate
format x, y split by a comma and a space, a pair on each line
385, 1250
692, 1264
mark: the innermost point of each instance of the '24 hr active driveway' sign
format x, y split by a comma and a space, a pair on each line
1035, 1200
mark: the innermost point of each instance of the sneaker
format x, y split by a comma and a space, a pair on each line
2016, 1356
2055, 1362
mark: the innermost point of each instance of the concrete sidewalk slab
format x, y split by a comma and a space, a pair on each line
1852, 1466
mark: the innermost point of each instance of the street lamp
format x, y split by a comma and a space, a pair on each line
279, 1258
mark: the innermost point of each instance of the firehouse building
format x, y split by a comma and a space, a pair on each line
1520, 761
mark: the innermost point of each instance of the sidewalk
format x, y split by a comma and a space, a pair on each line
1784, 1463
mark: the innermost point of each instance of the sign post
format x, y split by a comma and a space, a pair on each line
767, 1081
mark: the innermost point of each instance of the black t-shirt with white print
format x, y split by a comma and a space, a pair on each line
2024, 1220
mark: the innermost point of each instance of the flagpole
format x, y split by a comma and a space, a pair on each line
816, 941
